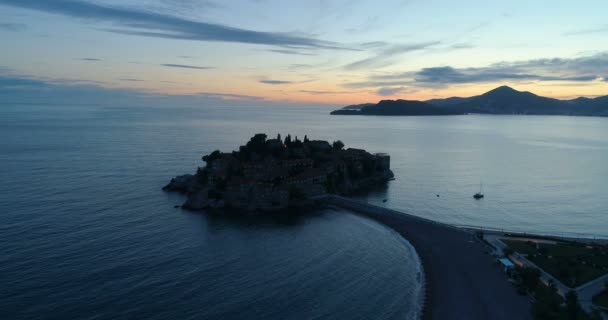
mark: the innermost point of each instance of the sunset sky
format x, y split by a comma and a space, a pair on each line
304, 52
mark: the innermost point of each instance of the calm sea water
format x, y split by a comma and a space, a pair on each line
85, 231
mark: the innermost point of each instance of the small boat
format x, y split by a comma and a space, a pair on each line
384, 200
479, 195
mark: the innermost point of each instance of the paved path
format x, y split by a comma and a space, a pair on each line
463, 281
588, 290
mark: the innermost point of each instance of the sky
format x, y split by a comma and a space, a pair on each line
314, 52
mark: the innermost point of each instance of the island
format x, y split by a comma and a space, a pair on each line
275, 174
503, 100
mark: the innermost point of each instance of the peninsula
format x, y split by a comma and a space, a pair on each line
275, 174
502, 100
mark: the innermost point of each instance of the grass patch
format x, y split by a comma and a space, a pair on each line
548, 304
573, 264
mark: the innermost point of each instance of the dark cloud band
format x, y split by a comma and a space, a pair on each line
163, 26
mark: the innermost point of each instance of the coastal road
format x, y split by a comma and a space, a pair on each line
463, 281
587, 291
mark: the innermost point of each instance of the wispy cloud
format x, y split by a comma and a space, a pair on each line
389, 91
13, 27
89, 59
229, 96
464, 45
293, 52
184, 66
385, 57
299, 66
581, 69
149, 24
275, 82
15, 82
27, 89
131, 79
600, 29
374, 44
315, 92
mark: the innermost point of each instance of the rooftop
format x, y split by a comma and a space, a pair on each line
506, 263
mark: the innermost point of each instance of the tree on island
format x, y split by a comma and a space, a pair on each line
338, 145
297, 143
257, 143
211, 157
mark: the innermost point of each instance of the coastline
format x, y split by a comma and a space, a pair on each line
458, 272
422, 298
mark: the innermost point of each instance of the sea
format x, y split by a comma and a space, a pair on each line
87, 233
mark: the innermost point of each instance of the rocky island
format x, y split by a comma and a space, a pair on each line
275, 174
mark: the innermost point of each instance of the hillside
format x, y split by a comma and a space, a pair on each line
502, 100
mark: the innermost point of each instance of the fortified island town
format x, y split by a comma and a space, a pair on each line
275, 174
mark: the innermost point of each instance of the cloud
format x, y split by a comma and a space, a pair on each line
23, 89
13, 27
602, 29
374, 44
580, 69
314, 92
275, 81
89, 59
292, 52
184, 66
462, 46
14, 82
385, 56
389, 91
229, 96
449, 75
131, 79
299, 66
191, 5
150, 24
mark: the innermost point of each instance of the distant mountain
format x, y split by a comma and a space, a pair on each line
358, 106
448, 101
396, 108
502, 100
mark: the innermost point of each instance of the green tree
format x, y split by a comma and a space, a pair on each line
529, 278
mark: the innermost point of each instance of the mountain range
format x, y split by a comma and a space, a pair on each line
502, 100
